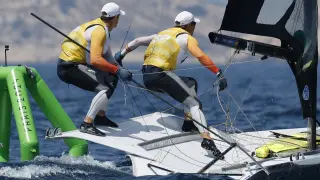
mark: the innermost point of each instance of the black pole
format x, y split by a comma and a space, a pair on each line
59, 32
6, 48
216, 159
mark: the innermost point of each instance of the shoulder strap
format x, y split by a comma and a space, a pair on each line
95, 25
182, 33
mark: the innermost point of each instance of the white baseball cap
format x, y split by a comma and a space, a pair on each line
112, 9
185, 18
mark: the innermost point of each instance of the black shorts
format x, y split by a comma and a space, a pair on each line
178, 87
86, 77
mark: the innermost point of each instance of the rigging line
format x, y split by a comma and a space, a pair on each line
125, 37
132, 105
219, 100
241, 109
162, 5
236, 153
168, 134
210, 88
229, 122
244, 114
228, 64
174, 145
172, 107
247, 88
148, 89
243, 100
245, 134
137, 106
154, 39
141, 87
200, 67
227, 117
193, 68
194, 121
241, 62
296, 16
217, 91
125, 95
245, 95
153, 93
242, 103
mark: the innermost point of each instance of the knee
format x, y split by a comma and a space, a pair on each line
191, 102
103, 93
100, 88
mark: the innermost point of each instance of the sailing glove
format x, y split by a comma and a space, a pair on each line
124, 74
222, 81
118, 57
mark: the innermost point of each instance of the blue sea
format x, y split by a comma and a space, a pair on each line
271, 102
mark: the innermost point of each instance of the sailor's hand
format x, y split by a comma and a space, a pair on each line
118, 57
222, 81
124, 74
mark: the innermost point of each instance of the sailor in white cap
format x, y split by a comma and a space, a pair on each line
164, 51
96, 71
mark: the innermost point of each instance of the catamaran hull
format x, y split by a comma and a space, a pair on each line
301, 169
157, 146
282, 168
308, 168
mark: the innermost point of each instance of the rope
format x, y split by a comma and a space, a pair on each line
125, 37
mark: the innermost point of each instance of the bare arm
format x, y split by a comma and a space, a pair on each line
140, 41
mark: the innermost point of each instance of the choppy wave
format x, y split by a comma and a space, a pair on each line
68, 167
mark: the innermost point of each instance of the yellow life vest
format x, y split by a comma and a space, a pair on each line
282, 145
72, 52
163, 50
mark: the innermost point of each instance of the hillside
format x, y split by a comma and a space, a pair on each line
30, 40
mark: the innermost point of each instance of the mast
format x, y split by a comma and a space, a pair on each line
308, 5
304, 29
297, 31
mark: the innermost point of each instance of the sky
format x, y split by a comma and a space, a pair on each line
32, 41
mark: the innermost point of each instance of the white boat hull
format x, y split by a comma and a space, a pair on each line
157, 146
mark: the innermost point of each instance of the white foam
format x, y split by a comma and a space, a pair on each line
81, 160
35, 171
